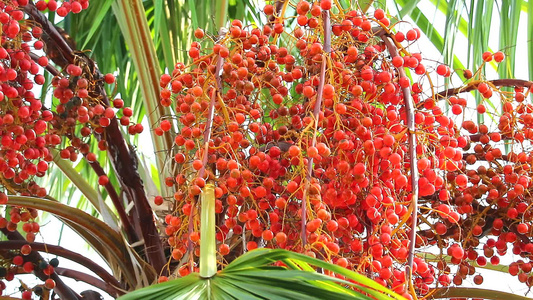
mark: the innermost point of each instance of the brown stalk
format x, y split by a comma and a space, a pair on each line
316, 114
410, 111
471, 87
64, 291
73, 256
93, 281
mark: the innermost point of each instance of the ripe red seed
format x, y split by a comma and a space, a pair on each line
103, 180
499, 56
49, 283
325, 4
25, 250
199, 33
487, 56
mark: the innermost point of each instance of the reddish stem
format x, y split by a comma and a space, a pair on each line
316, 116
471, 87
410, 111
93, 281
64, 291
73, 256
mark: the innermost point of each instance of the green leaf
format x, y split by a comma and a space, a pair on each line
97, 20
252, 276
408, 8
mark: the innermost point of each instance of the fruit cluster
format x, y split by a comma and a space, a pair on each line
313, 134
63, 8
30, 132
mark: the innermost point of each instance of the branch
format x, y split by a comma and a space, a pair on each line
53, 35
64, 291
73, 256
277, 11
410, 111
93, 281
474, 84
316, 116
128, 228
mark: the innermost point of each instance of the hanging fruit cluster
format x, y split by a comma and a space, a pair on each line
30, 132
324, 145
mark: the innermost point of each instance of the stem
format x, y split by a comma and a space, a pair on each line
131, 18
64, 291
208, 251
450, 292
473, 85
316, 116
73, 256
277, 10
207, 137
410, 111
93, 281
119, 206
125, 162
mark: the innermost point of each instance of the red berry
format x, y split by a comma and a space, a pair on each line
103, 180
325, 4
199, 33
109, 78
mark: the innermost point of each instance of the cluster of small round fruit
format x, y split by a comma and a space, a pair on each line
256, 102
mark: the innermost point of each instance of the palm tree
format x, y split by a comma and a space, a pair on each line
137, 41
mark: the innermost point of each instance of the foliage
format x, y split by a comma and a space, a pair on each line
252, 276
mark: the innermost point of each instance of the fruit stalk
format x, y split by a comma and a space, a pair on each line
207, 137
208, 252
473, 85
63, 290
91, 280
410, 112
316, 115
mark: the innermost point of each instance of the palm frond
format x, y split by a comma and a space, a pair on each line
252, 276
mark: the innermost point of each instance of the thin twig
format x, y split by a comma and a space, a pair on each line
470, 87
93, 281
